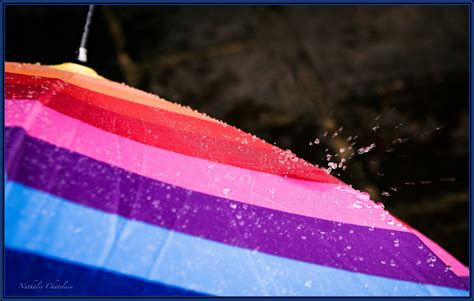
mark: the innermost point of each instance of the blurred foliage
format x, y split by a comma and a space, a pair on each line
288, 74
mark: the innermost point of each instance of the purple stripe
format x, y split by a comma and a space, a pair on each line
80, 179
466, 280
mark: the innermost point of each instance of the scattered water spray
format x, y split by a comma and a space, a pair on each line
345, 153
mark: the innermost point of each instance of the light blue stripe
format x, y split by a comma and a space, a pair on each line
44, 224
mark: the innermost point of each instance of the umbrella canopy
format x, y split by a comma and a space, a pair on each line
113, 191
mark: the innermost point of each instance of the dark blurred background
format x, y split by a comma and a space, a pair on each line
290, 74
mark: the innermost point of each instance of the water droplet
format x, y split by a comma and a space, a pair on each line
308, 283
379, 205
316, 141
398, 140
357, 204
303, 237
447, 179
363, 196
233, 205
226, 191
365, 149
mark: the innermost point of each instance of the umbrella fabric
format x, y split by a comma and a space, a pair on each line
113, 191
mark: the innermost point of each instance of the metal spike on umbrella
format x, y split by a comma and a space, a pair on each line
82, 52
112, 191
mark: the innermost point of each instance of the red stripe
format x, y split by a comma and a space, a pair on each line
163, 129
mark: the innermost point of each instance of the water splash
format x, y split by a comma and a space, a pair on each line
337, 162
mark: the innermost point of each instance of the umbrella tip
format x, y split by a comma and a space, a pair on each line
82, 57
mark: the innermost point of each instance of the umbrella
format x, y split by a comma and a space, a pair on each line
113, 191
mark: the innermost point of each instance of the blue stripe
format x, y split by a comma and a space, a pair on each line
33, 275
47, 225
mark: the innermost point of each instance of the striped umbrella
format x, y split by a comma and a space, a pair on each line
113, 191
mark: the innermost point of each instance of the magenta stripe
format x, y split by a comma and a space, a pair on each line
80, 179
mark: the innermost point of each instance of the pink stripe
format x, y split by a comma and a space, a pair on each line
313, 199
